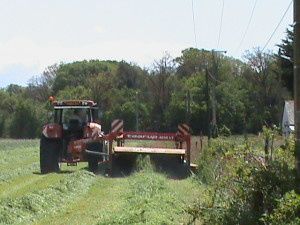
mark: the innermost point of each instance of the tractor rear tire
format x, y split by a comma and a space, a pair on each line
49, 155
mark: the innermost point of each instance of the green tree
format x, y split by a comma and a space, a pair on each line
191, 61
79, 92
159, 84
285, 60
265, 93
40, 88
24, 123
14, 89
130, 76
78, 73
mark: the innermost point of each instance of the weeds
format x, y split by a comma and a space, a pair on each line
246, 183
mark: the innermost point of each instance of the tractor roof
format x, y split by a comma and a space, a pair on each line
80, 103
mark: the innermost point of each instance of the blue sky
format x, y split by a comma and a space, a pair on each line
35, 34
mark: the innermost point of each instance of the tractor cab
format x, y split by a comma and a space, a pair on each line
74, 133
74, 116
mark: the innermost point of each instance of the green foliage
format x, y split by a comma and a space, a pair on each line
248, 94
232, 105
24, 123
245, 187
78, 73
14, 89
262, 83
225, 131
2, 126
210, 163
191, 61
129, 76
78, 92
287, 211
285, 60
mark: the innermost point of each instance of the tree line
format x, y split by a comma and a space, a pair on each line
247, 94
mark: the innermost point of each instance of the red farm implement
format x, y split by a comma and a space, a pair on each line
118, 137
74, 135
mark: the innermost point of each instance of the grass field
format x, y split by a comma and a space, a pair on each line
76, 196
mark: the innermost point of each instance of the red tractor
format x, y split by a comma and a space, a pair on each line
74, 136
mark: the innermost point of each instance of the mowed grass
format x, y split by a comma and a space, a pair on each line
76, 196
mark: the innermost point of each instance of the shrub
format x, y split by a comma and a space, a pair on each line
2, 126
225, 131
24, 123
245, 187
287, 211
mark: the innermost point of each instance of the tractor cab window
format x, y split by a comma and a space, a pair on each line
57, 115
96, 115
78, 116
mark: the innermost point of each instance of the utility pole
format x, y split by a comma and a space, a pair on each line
214, 104
208, 106
297, 90
136, 112
188, 107
214, 100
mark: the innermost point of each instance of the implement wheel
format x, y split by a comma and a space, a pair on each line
93, 160
49, 154
92, 164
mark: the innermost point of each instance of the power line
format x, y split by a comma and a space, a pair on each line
248, 25
286, 11
195, 36
221, 23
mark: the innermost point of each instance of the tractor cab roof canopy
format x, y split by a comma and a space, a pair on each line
74, 104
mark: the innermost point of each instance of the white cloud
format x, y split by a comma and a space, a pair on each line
99, 29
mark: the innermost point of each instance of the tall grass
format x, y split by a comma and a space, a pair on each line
149, 199
18, 157
143, 163
12, 144
30, 206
